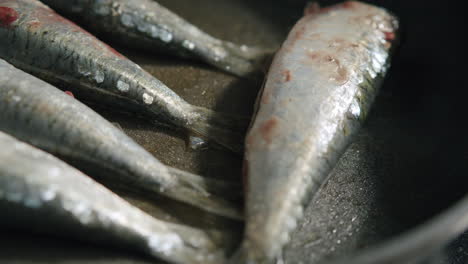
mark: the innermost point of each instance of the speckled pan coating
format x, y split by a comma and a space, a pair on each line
39, 41
46, 117
318, 91
146, 24
36, 185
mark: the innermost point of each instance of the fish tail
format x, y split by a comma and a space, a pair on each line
207, 202
205, 186
199, 192
250, 53
240, 60
224, 129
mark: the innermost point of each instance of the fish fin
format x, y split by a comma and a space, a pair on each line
242, 61
311, 8
206, 194
117, 125
250, 53
207, 202
224, 129
212, 239
206, 186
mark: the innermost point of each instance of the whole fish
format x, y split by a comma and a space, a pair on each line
37, 40
148, 25
42, 193
317, 93
40, 114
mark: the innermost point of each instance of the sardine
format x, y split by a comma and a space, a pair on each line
40, 114
41, 193
147, 25
37, 40
318, 91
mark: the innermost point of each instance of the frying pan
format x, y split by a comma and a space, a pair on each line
398, 194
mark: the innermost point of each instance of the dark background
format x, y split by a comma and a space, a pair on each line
407, 164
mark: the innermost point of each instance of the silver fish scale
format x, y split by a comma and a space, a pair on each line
316, 95
35, 182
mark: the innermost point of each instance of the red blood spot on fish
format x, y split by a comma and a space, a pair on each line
287, 75
321, 57
389, 36
249, 140
265, 98
33, 25
7, 16
313, 55
314, 36
324, 10
341, 75
350, 4
311, 8
267, 129
299, 33
331, 66
70, 94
